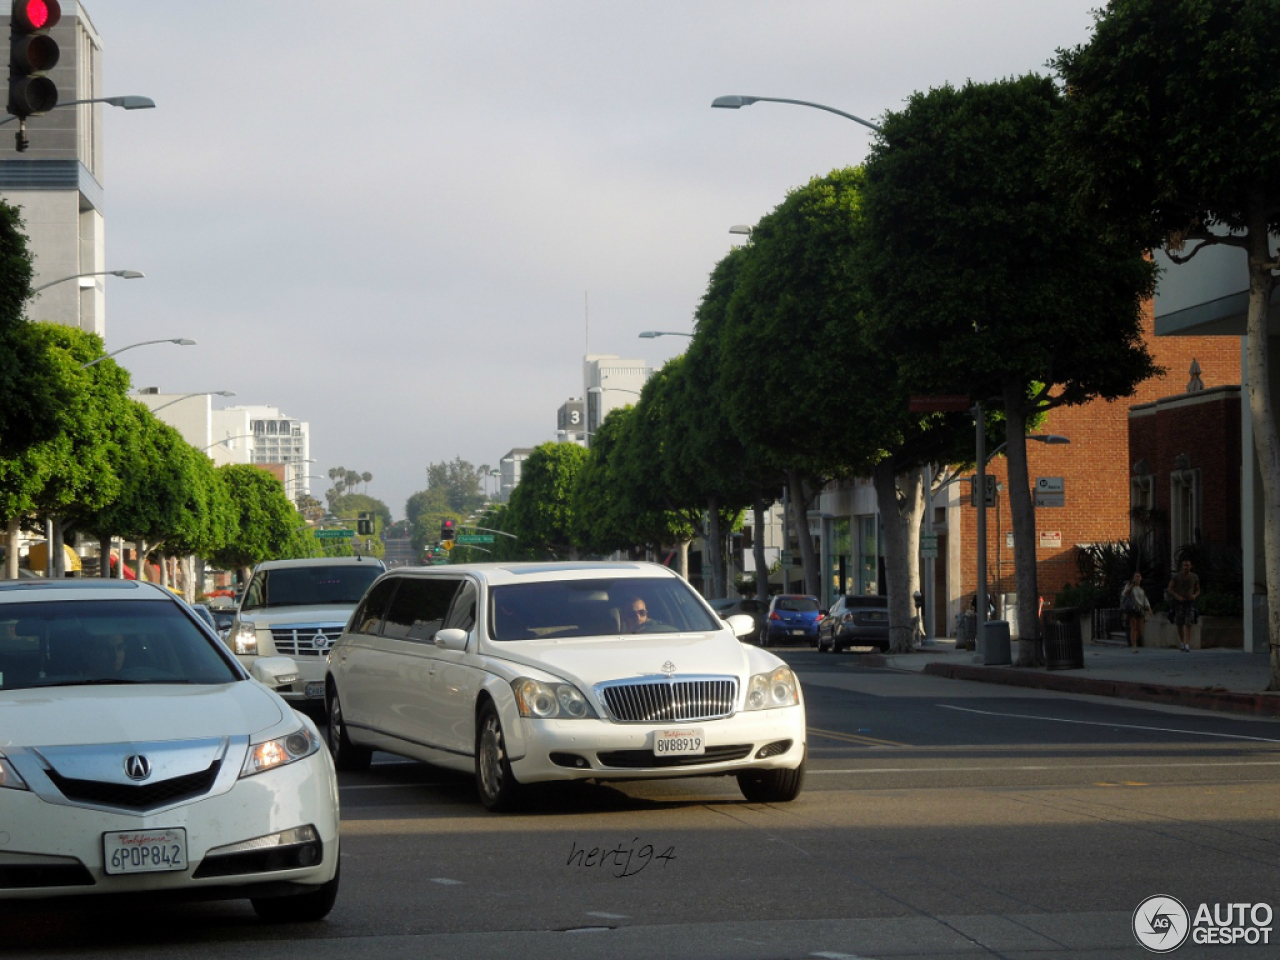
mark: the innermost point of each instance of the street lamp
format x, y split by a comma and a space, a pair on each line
127, 274
179, 341
650, 334
606, 389
215, 443
203, 393
127, 103
735, 102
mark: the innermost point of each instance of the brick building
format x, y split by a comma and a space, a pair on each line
1097, 469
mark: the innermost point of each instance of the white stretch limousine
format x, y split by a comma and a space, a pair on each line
530, 672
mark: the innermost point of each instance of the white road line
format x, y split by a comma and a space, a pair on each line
1098, 723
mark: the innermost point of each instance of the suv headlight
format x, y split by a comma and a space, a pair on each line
765, 691
245, 639
270, 754
9, 776
546, 701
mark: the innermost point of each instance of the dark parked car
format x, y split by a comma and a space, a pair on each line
758, 610
793, 617
855, 621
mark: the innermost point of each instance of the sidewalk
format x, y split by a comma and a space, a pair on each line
1211, 679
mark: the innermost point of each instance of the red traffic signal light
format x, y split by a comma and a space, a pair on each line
446, 529
31, 52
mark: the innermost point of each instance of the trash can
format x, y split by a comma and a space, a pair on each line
1063, 648
995, 643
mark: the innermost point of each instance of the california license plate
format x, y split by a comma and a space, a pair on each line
314, 690
144, 851
797, 633
670, 743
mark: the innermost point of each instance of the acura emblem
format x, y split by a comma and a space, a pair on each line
137, 767
669, 669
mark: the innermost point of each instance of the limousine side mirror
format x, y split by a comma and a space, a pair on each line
742, 624
451, 639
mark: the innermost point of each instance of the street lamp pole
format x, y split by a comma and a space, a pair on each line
650, 334
179, 341
215, 443
126, 103
736, 102
203, 393
126, 274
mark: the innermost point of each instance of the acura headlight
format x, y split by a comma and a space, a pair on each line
245, 639
270, 754
9, 776
777, 689
545, 701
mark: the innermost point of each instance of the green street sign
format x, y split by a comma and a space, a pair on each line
474, 538
335, 534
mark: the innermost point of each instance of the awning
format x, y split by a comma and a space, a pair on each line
38, 557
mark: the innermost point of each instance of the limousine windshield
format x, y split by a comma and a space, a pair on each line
591, 608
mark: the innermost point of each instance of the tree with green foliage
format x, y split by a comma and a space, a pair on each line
975, 250
1170, 138
461, 483
31, 392
540, 508
266, 524
601, 522
705, 443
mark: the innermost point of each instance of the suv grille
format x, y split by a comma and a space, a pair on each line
660, 700
306, 639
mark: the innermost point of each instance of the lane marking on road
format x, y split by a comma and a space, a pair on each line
1101, 723
856, 738
1037, 768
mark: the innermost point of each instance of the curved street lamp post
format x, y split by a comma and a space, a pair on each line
182, 342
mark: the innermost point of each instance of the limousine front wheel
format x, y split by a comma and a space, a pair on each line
346, 755
772, 786
499, 791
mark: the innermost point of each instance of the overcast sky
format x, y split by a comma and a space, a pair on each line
406, 222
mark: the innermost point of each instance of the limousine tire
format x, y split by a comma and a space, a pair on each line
497, 785
346, 755
772, 786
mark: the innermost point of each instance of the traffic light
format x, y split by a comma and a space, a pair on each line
32, 52
364, 524
446, 530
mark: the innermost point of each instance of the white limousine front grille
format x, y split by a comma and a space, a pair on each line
661, 700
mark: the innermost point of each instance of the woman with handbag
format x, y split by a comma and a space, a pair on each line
1134, 604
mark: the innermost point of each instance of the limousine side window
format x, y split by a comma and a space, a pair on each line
463, 614
419, 607
374, 607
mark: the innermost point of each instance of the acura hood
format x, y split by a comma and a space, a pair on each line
61, 716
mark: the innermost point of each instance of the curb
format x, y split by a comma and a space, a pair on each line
1201, 698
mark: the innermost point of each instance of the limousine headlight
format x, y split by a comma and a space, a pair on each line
547, 701
776, 689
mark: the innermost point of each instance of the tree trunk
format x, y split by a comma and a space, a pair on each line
900, 500
801, 497
12, 529
1022, 509
1266, 441
104, 552
683, 549
711, 544
757, 549
56, 544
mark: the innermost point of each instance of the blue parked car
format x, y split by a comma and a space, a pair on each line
793, 617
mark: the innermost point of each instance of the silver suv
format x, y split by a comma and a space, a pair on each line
298, 608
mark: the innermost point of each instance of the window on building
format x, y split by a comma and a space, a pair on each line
1184, 510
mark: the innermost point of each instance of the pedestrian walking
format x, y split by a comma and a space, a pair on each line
1134, 603
1184, 589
